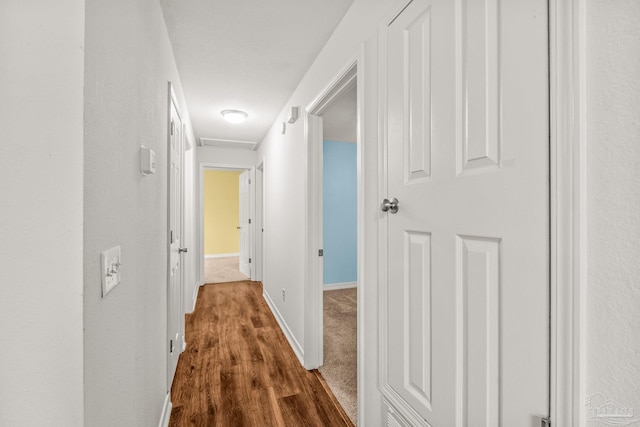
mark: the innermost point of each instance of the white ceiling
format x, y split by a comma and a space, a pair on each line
339, 120
245, 54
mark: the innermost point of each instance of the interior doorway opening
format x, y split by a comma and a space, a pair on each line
240, 224
340, 249
224, 209
334, 239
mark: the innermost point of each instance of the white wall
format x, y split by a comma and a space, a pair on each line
227, 156
41, 79
128, 64
613, 140
285, 186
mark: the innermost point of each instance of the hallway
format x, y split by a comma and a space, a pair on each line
238, 369
88, 89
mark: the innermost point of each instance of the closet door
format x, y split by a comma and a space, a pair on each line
465, 271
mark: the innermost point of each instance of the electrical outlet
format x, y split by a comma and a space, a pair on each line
110, 263
283, 294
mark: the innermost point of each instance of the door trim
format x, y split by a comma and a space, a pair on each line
351, 74
568, 179
173, 100
258, 236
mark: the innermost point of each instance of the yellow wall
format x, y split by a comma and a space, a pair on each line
221, 212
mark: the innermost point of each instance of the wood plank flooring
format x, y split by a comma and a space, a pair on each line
239, 370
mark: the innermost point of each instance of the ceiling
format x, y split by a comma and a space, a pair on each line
245, 54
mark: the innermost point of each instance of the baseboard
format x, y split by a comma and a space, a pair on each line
293, 343
196, 289
166, 411
207, 256
336, 286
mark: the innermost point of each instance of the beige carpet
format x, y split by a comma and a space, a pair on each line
340, 355
221, 270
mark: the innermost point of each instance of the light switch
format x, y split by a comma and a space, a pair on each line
147, 161
110, 265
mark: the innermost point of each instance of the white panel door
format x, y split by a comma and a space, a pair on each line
466, 262
245, 263
174, 296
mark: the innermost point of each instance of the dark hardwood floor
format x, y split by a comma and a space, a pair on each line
238, 369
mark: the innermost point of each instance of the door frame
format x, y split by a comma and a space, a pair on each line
568, 180
568, 209
258, 236
202, 166
173, 100
250, 211
351, 74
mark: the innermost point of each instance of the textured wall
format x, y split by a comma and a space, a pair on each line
128, 62
221, 212
285, 160
339, 212
41, 80
613, 133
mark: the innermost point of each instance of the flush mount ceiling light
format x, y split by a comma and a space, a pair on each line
234, 116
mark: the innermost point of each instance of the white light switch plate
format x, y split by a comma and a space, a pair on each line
110, 265
147, 161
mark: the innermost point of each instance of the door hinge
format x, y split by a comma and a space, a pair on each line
249, 180
320, 252
173, 125
249, 220
249, 260
545, 422
171, 237
170, 346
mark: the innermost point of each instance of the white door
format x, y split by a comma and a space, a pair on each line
174, 296
465, 271
245, 262
259, 227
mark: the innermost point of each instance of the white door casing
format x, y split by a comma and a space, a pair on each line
245, 266
259, 223
465, 269
175, 238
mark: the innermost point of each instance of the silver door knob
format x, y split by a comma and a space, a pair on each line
391, 206
181, 250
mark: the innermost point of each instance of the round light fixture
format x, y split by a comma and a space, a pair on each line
234, 116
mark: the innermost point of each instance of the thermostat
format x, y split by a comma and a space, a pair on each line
147, 161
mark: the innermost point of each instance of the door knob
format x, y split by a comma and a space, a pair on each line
181, 250
391, 206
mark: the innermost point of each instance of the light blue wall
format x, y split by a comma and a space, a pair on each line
340, 212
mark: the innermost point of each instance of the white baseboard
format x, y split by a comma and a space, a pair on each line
196, 289
335, 286
166, 411
207, 256
295, 345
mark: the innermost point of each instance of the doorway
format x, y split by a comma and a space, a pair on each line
334, 238
225, 229
340, 250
